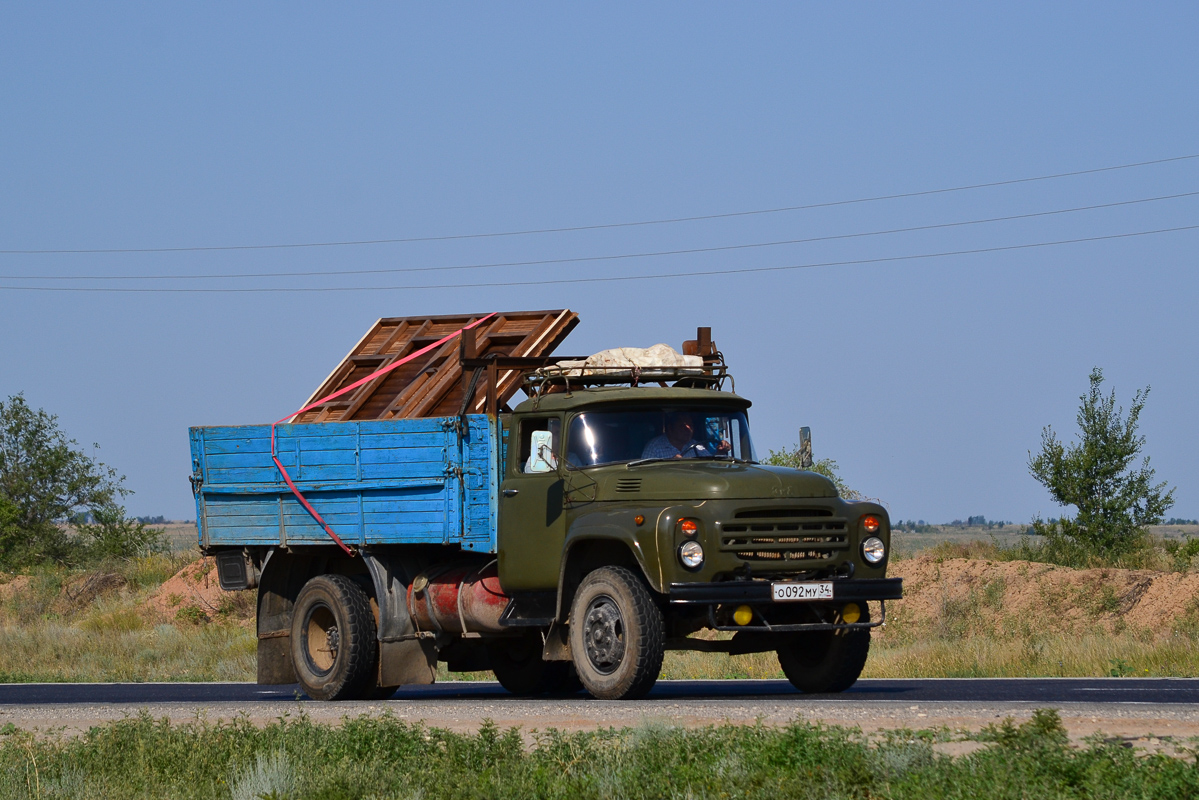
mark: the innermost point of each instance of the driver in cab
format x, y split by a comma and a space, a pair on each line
679, 441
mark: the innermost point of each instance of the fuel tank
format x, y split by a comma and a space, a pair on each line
459, 598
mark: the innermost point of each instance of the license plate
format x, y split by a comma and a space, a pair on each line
781, 592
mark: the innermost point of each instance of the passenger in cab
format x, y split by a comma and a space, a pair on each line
679, 441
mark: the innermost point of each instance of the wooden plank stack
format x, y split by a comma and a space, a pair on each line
434, 384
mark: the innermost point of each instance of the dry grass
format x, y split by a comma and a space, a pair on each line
101, 625
1056, 655
108, 650
969, 611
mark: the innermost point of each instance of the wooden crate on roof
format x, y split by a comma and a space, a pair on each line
433, 384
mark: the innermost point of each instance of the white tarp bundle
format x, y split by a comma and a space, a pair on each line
659, 359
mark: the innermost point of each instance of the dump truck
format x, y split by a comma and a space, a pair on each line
408, 515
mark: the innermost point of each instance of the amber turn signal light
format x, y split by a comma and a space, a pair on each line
688, 527
639, 519
870, 524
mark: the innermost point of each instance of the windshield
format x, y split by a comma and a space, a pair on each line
613, 437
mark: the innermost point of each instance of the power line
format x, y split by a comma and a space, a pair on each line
608, 279
604, 226
582, 259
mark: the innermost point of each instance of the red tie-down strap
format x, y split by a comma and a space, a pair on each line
304, 502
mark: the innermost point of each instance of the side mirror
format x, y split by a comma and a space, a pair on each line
805, 448
541, 456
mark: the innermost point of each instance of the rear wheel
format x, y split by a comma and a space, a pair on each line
825, 662
519, 668
333, 640
617, 635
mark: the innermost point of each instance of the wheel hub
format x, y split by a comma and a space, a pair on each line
323, 639
603, 635
332, 640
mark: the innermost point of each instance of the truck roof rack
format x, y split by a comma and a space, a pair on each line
709, 371
549, 378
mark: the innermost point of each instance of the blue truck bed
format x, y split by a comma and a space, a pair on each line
406, 481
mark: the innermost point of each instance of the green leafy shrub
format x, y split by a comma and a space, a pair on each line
1041, 733
113, 536
192, 614
1183, 553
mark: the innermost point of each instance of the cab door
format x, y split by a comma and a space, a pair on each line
532, 524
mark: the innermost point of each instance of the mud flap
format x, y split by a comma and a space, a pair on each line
405, 658
557, 643
274, 660
413, 661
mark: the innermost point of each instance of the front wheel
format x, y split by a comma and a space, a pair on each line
333, 641
617, 637
825, 662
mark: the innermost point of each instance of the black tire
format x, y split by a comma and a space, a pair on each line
567, 682
617, 635
333, 639
826, 662
519, 668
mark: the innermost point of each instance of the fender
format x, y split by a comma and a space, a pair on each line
606, 533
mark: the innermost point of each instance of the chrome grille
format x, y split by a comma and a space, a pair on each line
785, 534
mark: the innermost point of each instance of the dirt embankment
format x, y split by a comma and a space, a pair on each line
194, 586
13, 586
1016, 597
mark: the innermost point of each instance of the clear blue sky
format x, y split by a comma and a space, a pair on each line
929, 380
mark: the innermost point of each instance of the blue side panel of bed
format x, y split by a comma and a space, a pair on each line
412, 481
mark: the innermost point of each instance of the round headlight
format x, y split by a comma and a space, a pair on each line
873, 550
691, 555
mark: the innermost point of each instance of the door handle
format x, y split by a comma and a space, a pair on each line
511, 492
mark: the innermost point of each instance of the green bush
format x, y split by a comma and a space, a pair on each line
115, 536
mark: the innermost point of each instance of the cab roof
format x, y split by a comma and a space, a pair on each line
629, 395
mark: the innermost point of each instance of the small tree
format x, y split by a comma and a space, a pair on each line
826, 466
113, 535
45, 481
1115, 501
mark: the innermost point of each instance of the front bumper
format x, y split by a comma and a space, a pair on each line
751, 592
757, 595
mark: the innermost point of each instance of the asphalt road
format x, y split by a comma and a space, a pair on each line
1161, 691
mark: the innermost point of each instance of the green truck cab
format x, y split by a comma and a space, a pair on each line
618, 543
